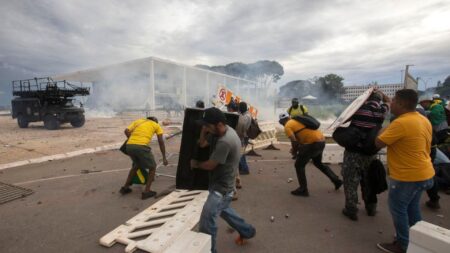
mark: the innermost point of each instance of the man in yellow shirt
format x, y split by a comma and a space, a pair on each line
307, 144
296, 109
408, 141
139, 134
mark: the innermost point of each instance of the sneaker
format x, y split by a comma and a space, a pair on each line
433, 204
337, 184
300, 192
351, 215
149, 194
125, 190
391, 247
244, 172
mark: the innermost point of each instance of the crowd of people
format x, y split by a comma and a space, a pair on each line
412, 138
411, 152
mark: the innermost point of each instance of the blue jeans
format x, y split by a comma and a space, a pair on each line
404, 205
243, 166
218, 204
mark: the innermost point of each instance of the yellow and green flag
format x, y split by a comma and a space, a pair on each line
141, 176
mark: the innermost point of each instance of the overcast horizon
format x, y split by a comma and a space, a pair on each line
362, 41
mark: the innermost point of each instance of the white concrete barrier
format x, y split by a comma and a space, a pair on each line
425, 237
166, 225
266, 138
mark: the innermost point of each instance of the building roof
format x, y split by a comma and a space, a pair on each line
141, 65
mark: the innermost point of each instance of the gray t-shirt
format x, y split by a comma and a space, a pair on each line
226, 152
243, 124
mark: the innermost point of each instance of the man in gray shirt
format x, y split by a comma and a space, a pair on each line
242, 127
222, 166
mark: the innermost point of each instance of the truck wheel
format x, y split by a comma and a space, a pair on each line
22, 121
51, 122
79, 122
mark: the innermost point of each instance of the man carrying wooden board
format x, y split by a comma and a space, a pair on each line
222, 164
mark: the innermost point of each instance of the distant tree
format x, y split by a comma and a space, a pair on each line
446, 82
332, 86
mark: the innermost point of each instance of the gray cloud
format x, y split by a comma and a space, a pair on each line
363, 41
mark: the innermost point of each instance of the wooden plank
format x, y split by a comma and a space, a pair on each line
350, 110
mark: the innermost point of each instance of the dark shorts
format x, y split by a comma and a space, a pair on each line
141, 156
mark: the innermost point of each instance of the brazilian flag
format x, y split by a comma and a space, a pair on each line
141, 176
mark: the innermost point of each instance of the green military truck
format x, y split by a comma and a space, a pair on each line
43, 99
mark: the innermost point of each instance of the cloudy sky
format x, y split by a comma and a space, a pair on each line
362, 41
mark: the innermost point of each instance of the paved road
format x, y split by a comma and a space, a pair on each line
71, 210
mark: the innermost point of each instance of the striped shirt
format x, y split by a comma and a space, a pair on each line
369, 115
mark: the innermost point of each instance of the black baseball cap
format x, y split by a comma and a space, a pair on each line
213, 116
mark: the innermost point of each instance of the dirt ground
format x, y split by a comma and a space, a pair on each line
17, 144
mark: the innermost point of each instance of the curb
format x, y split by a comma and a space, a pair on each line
71, 154
60, 156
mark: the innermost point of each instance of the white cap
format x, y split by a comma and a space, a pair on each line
283, 115
436, 96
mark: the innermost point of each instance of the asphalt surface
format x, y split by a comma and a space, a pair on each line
76, 202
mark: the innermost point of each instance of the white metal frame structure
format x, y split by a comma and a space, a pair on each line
156, 78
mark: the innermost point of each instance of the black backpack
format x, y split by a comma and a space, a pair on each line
253, 131
309, 121
356, 140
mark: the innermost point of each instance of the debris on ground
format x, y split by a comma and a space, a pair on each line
286, 216
289, 180
272, 219
440, 215
90, 171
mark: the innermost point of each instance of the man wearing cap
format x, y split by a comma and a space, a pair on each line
436, 113
296, 109
308, 144
408, 140
221, 165
355, 167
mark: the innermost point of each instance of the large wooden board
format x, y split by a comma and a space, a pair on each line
350, 110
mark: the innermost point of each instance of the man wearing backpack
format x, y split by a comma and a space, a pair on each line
356, 164
296, 109
309, 145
